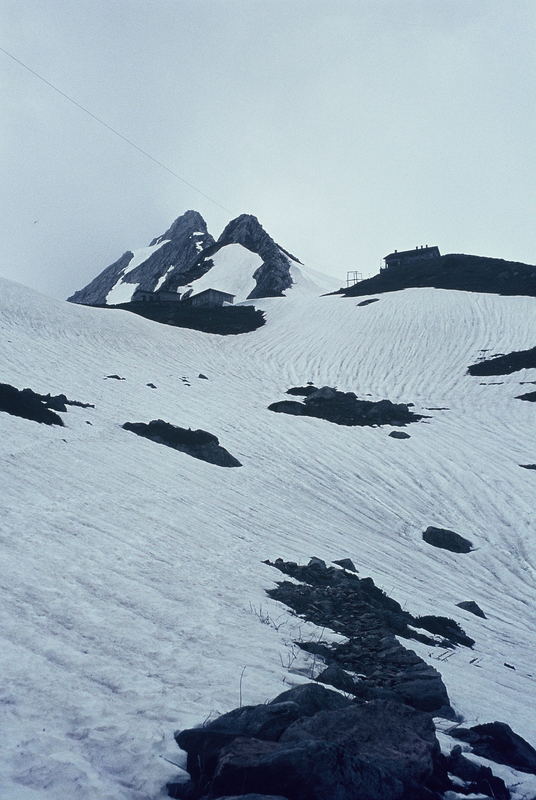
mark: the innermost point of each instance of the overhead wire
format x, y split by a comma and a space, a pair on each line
113, 130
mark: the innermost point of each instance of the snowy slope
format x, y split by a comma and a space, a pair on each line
232, 272
132, 573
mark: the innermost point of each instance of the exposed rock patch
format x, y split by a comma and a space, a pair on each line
447, 540
399, 435
28, 404
505, 364
528, 466
197, 443
344, 408
368, 301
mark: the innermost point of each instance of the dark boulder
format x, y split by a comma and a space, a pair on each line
498, 742
447, 540
472, 607
337, 677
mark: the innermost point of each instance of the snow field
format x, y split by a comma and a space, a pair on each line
132, 578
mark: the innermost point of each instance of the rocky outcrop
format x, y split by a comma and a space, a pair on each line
344, 408
174, 263
199, 444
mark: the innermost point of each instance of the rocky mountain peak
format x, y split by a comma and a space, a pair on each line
191, 222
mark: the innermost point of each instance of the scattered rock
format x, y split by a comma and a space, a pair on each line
346, 563
114, 377
344, 408
399, 435
510, 666
197, 443
151, 385
370, 621
472, 607
447, 540
498, 742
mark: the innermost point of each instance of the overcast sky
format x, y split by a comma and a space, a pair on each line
349, 127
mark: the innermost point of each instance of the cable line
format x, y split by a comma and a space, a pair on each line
114, 131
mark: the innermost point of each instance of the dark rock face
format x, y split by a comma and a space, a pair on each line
528, 466
370, 620
28, 404
344, 408
197, 443
472, 607
505, 364
498, 742
381, 750
176, 259
447, 540
453, 271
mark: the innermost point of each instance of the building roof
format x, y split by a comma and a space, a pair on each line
217, 291
416, 253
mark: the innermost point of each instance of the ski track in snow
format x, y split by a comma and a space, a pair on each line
132, 575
